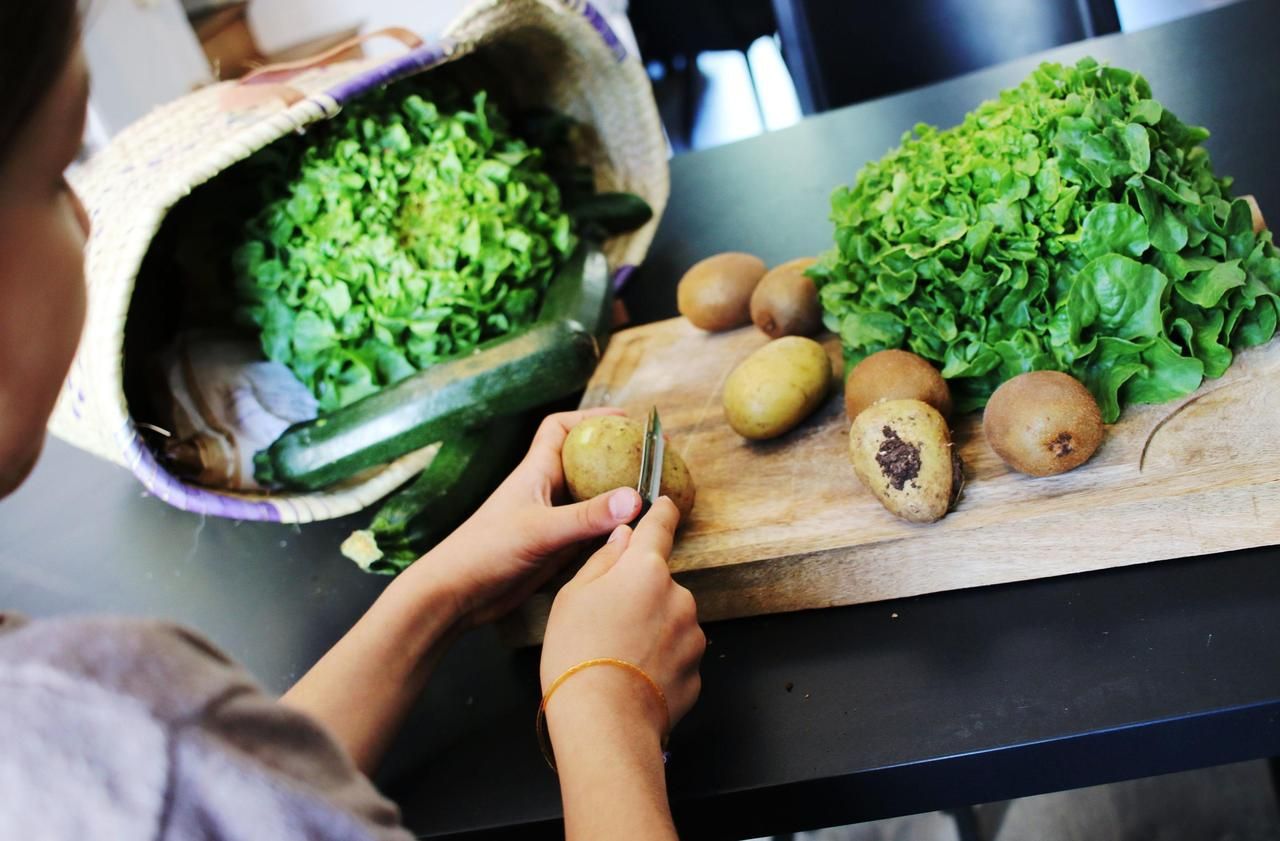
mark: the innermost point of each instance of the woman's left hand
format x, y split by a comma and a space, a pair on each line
519, 537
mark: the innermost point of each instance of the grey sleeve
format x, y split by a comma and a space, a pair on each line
136, 725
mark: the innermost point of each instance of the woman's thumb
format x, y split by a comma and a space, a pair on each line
591, 518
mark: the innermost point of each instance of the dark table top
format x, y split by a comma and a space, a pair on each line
807, 719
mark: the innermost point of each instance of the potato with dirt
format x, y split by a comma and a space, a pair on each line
902, 452
715, 294
776, 387
604, 453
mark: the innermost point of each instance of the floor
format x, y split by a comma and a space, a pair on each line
1227, 803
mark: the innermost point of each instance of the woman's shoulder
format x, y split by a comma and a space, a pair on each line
172, 671
146, 724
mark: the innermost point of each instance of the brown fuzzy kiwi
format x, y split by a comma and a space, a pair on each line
785, 302
1042, 423
715, 294
895, 375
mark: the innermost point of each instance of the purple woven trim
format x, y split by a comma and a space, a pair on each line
621, 276
186, 497
385, 74
597, 21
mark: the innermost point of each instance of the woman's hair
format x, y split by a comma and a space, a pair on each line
36, 38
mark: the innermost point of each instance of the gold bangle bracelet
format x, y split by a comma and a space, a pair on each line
544, 741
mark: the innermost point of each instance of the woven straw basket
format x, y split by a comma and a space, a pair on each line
558, 53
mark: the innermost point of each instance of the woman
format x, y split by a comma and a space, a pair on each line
120, 729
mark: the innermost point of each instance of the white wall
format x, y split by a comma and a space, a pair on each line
141, 53
280, 24
1140, 14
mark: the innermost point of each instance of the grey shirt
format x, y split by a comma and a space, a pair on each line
121, 729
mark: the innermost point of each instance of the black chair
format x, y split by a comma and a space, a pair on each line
840, 52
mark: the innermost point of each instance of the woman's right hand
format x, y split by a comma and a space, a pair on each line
624, 604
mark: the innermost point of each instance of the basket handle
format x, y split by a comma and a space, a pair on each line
269, 82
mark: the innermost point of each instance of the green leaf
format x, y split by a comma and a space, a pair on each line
1113, 229
1206, 288
1120, 296
1204, 339
1114, 364
312, 334
1138, 144
1147, 111
1167, 375
869, 332
337, 298
1168, 231
1261, 327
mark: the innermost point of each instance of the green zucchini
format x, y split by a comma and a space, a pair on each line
613, 213
465, 470
589, 300
548, 361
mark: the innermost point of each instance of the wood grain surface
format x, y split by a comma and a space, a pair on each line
785, 525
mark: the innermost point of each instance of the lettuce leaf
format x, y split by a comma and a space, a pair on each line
1073, 223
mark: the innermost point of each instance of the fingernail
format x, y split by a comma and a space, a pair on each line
617, 533
622, 504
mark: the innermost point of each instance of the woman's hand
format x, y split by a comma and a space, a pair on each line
519, 537
624, 604
606, 724
362, 688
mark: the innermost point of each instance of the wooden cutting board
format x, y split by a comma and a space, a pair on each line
785, 525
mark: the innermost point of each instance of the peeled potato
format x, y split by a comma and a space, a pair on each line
604, 453
902, 453
1043, 422
895, 375
715, 294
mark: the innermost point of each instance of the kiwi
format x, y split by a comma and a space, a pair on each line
715, 294
895, 375
786, 301
1042, 423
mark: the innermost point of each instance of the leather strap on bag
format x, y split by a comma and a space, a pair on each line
269, 82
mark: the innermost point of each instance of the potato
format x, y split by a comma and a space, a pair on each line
776, 387
1043, 423
785, 303
715, 294
895, 375
603, 453
902, 453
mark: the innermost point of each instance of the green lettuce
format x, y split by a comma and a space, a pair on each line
1073, 224
408, 229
